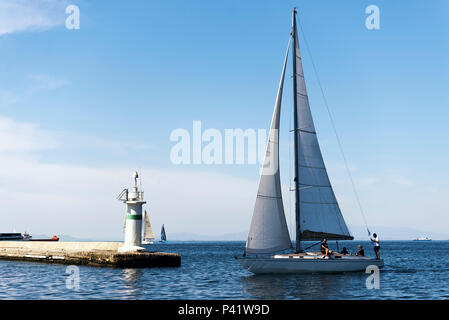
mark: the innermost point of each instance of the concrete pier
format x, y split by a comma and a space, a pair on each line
101, 254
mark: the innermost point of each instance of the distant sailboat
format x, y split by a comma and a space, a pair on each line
163, 235
148, 235
317, 212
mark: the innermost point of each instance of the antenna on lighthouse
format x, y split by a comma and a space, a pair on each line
135, 176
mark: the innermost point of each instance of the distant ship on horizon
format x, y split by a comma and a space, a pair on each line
15, 236
422, 239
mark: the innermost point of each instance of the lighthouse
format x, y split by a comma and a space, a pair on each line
133, 219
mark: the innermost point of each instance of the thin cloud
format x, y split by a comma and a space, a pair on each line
22, 137
61, 198
31, 15
36, 83
74, 199
402, 181
30, 138
46, 82
8, 99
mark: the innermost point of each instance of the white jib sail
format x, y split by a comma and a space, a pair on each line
147, 230
268, 232
320, 215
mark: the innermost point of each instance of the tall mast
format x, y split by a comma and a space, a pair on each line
295, 130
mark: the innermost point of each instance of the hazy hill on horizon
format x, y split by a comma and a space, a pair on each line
359, 233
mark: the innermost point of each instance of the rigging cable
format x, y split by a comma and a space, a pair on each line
334, 128
290, 171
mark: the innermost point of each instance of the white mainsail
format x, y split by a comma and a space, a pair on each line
268, 232
320, 215
147, 230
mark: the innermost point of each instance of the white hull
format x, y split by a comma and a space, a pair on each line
147, 242
308, 265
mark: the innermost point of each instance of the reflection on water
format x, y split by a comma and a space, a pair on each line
264, 286
132, 276
132, 283
209, 271
307, 286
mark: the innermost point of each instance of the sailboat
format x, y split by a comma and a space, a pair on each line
317, 212
163, 235
148, 235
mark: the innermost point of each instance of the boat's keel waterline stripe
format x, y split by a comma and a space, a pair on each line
134, 217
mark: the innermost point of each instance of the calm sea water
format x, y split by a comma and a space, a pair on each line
413, 270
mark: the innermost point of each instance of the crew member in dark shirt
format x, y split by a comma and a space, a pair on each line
360, 251
324, 249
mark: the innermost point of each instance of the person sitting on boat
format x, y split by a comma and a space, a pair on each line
324, 249
344, 251
376, 245
360, 251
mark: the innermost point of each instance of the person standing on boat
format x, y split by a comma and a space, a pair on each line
376, 245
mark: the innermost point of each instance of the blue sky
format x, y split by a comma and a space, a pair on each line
94, 103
